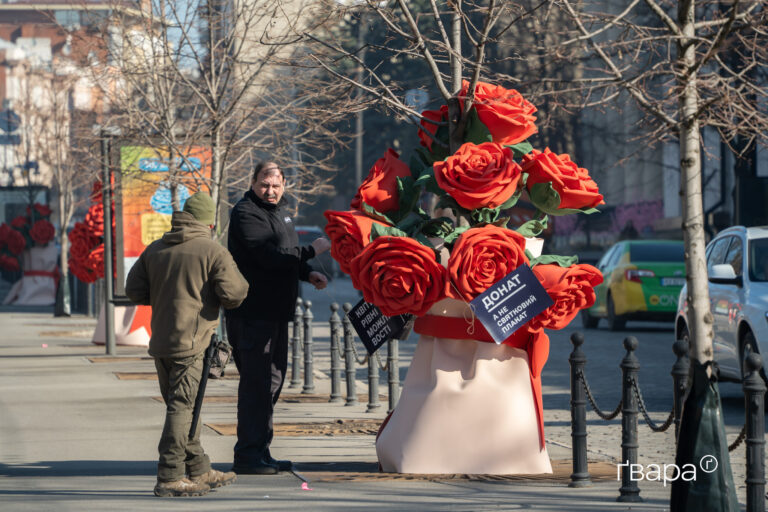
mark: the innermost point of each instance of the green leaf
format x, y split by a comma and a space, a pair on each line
416, 165
439, 227
440, 152
423, 240
512, 201
545, 197
476, 132
532, 228
411, 223
501, 222
485, 215
521, 149
549, 259
428, 182
374, 214
408, 195
378, 230
456, 233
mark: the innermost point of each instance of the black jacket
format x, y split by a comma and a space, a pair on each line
265, 246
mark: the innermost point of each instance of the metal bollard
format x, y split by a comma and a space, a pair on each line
754, 396
296, 346
349, 356
373, 384
680, 378
394, 373
335, 322
580, 476
309, 384
629, 490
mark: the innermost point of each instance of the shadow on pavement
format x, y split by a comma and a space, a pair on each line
81, 468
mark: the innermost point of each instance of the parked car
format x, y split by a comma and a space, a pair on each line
641, 281
737, 266
323, 263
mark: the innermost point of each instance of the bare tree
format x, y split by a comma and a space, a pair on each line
215, 74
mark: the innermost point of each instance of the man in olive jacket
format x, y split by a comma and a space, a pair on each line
186, 277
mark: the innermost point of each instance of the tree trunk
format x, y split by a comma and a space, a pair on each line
699, 315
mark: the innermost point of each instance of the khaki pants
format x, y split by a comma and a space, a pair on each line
179, 381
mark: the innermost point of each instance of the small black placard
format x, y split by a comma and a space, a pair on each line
374, 328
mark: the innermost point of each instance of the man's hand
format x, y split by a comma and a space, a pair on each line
321, 245
318, 280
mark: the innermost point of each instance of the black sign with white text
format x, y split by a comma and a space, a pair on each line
374, 328
510, 303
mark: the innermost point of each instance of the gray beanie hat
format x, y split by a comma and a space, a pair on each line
202, 208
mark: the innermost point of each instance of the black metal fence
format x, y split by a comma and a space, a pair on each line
345, 358
632, 405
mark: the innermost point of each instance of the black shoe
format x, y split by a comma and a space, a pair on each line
282, 465
261, 467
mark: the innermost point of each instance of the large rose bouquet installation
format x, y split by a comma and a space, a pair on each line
404, 260
86, 241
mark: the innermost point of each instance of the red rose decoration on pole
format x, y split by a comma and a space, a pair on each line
558, 186
349, 232
42, 232
572, 289
507, 115
379, 189
481, 257
19, 222
479, 176
399, 275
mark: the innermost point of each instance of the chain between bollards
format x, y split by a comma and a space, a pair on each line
754, 396
309, 384
296, 345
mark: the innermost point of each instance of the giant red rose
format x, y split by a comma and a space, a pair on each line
379, 189
572, 183
348, 232
19, 222
42, 232
480, 258
399, 275
431, 115
507, 115
479, 176
9, 263
571, 288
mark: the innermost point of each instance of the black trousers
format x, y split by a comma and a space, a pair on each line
260, 350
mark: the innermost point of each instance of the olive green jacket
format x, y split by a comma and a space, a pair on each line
186, 277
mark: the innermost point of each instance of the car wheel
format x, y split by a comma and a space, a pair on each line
615, 322
588, 321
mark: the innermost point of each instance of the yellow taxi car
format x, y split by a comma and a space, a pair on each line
642, 280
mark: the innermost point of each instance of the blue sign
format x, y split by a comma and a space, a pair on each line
510, 303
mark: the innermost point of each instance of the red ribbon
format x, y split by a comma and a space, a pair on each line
55, 275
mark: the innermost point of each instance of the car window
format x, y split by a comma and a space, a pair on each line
718, 252
656, 252
735, 255
758, 259
603, 263
614, 256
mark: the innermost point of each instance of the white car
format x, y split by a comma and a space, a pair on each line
737, 266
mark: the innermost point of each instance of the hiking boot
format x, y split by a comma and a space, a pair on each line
183, 487
215, 478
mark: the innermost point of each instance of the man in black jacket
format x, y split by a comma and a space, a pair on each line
265, 246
